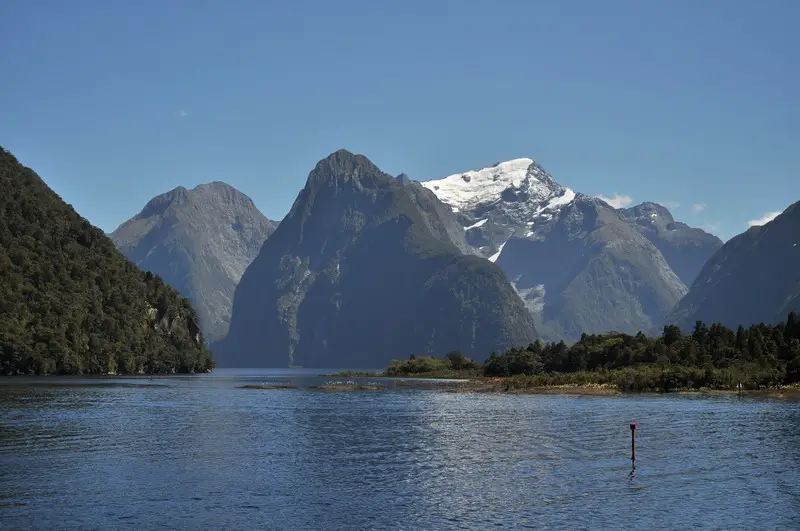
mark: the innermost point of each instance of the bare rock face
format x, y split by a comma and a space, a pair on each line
686, 249
579, 264
438, 217
199, 241
364, 269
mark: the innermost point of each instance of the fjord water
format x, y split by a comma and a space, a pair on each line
200, 453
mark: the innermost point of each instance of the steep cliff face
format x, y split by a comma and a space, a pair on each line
354, 276
437, 216
200, 241
686, 249
70, 303
753, 278
587, 270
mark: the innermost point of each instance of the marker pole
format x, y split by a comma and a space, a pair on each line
633, 443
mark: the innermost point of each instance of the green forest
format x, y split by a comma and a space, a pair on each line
713, 357
70, 303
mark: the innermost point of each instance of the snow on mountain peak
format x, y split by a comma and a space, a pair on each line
465, 191
495, 203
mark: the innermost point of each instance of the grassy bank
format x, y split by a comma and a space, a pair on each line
642, 377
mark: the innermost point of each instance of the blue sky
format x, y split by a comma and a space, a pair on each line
684, 102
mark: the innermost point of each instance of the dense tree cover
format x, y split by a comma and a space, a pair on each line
710, 357
455, 363
70, 303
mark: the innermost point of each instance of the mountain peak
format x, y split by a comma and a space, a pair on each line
213, 191
200, 241
648, 213
344, 165
403, 179
502, 200
218, 191
511, 180
160, 203
215, 186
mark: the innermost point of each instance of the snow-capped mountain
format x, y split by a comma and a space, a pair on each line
494, 204
579, 264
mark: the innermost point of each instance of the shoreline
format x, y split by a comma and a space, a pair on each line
505, 385
455, 383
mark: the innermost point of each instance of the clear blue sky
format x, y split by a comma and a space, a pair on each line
693, 102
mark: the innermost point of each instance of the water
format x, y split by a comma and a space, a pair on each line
200, 453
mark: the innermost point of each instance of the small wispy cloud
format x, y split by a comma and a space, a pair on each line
181, 114
699, 207
669, 204
710, 227
763, 220
617, 201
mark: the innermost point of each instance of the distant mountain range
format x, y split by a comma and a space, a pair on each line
580, 265
200, 241
367, 267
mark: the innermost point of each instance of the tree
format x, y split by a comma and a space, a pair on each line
672, 334
700, 332
457, 359
741, 339
792, 329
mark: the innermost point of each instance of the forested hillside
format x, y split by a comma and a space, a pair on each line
70, 303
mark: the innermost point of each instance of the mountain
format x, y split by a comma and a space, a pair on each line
753, 278
686, 249
587, 270
579, 264
199, 241
438, 217
492, 204
70, 303
354, 277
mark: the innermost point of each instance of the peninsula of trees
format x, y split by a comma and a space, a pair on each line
713, 357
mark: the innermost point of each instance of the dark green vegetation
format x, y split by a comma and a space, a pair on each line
199, 241
70, 303
454, 365
754, 277
714, 357
353, 276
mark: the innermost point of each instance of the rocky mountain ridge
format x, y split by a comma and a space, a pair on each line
200, 241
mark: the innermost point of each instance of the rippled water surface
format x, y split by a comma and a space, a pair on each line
200, 453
